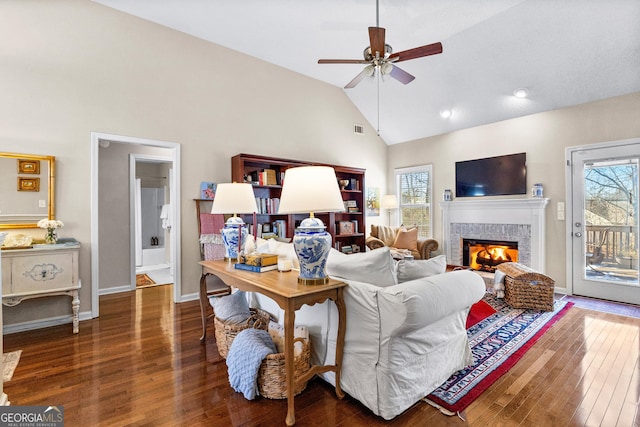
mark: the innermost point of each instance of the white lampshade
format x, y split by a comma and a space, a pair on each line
310, 189
389, 202
234, 198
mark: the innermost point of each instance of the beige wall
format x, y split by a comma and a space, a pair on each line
544, 137
72, 67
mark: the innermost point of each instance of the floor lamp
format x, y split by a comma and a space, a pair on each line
389, 202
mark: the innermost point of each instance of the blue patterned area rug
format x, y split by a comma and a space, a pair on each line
497, 343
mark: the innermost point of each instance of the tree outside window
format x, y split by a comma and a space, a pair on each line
414, 190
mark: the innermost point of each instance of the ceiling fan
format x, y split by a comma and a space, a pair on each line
379, 56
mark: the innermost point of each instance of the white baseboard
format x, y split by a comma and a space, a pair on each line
189, 297
114, 290
44, 323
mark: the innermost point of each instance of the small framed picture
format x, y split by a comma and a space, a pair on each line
346, 227
29, 166
28, 184
207, 190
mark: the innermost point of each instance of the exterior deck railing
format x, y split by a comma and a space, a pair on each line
613, 240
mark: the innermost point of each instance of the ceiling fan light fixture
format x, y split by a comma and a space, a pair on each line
521, 93
386, 68
370, 70
445, 114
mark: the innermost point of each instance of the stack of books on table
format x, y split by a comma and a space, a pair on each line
258, 263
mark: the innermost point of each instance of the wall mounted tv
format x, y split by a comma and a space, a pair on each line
492, 176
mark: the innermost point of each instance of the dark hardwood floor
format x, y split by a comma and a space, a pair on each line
141, 364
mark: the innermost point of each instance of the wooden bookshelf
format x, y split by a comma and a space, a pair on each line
267, 187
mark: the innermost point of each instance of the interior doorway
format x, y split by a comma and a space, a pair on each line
151, 192
113, 223
603, 221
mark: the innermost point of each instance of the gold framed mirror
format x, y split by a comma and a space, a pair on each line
26, 189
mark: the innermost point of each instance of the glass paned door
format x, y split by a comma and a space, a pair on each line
605, 223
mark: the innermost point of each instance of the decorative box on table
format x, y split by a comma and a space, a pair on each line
526, 288
259, 260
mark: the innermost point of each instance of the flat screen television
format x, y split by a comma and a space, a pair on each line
492, 176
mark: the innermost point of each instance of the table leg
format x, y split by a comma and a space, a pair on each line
289, 325
203, 305
342, 326
75, 308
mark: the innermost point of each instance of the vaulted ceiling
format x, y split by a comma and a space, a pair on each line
563, 52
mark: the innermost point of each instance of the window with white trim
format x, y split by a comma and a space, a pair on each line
413, 187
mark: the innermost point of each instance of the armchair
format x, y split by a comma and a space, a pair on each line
401, 238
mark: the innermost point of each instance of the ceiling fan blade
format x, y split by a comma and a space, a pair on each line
376, 41
342, 61
357, 79
417, 52
401, 75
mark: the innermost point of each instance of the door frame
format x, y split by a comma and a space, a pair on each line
98, 138
569, 238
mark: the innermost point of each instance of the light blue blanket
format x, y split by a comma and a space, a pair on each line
247, 351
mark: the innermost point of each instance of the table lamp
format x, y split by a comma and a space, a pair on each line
233, 198
311, 189
389, 202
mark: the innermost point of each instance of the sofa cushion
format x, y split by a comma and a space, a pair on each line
285, 249
415, 269
406, 239
233, 308
375, 267
386, 234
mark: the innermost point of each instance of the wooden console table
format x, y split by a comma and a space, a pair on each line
42, 271
284, 289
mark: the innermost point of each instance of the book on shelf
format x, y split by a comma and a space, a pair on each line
280, 228
267, 177
255, 268
268, 205
263, 177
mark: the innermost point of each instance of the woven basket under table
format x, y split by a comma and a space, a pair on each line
272, 375
226, 331
526, 288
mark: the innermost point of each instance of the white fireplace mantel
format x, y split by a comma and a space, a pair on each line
526, 211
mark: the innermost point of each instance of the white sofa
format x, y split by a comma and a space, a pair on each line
403, 339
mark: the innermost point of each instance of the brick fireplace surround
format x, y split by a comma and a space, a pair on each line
517, 220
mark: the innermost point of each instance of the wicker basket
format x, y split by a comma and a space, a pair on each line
272, 375
526, 288
226, 331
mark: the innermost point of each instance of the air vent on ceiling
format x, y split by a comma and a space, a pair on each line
358, 129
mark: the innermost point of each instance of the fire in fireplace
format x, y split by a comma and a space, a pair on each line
486, 255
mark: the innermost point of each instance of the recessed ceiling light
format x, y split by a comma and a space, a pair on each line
445, 114
521, 92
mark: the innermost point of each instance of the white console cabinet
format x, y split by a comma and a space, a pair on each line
42, 271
